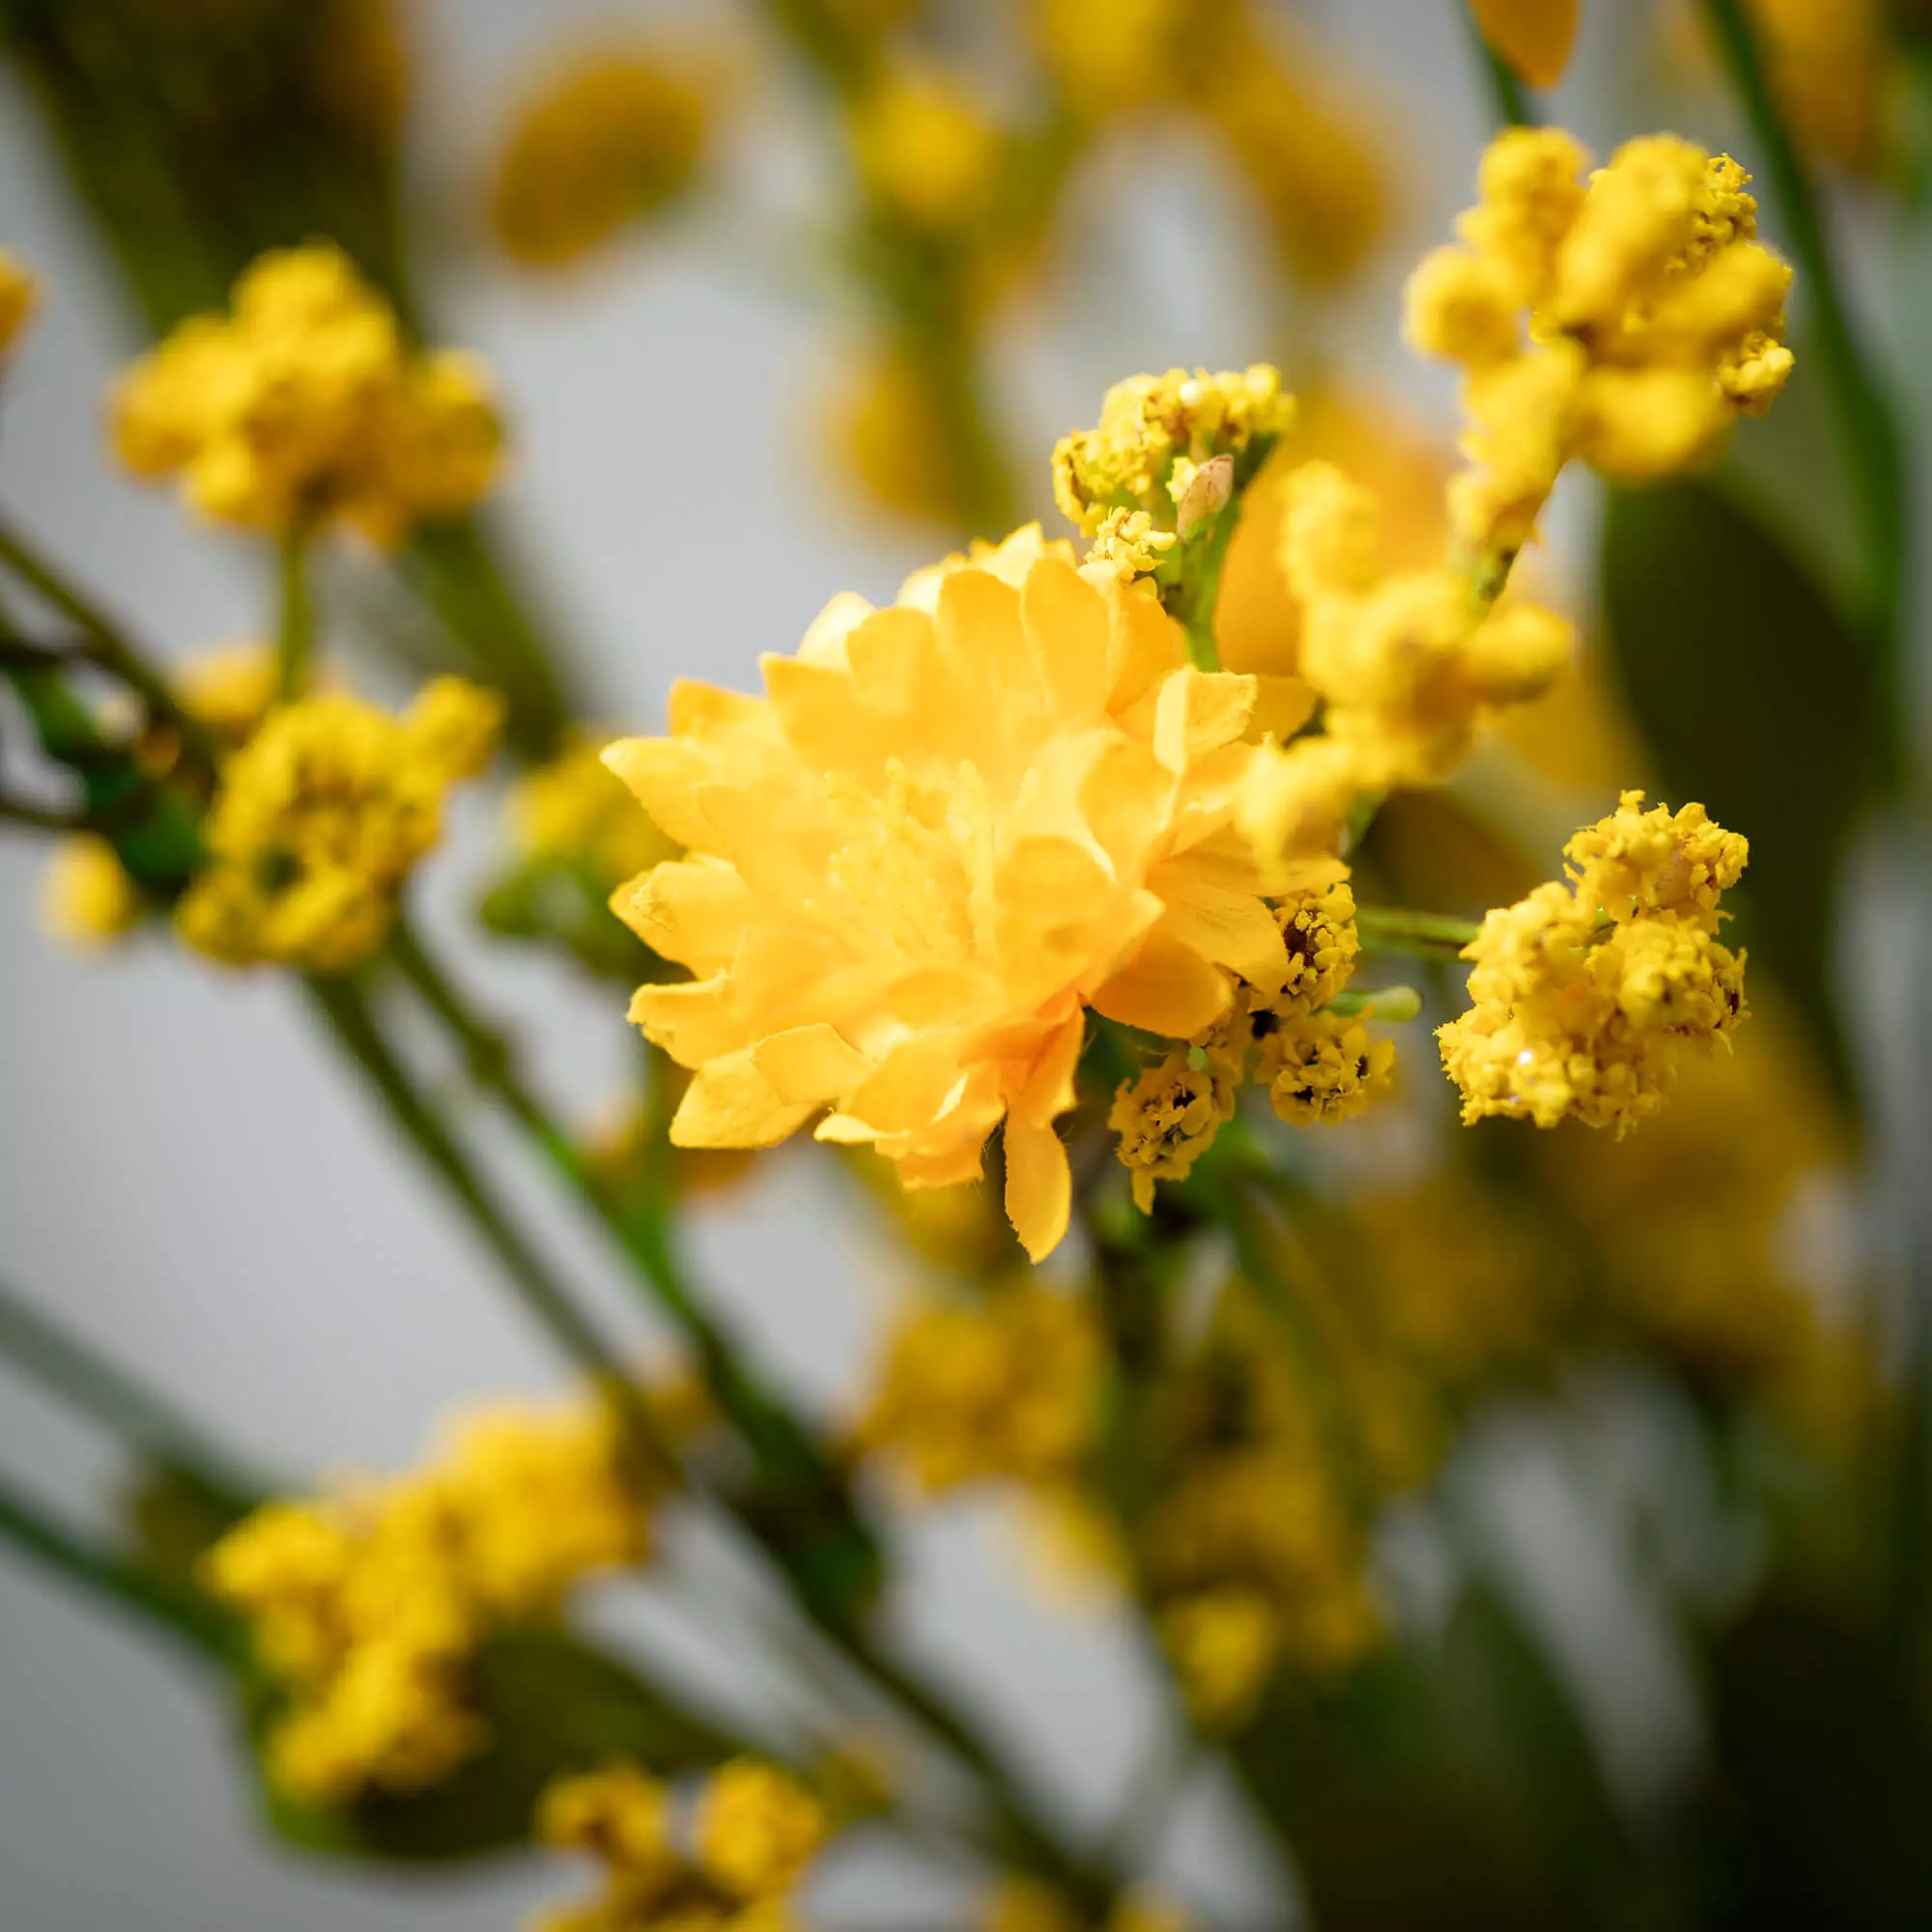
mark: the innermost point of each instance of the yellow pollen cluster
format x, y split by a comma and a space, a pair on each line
1625, 320
732, 1867
19, 296
1007, 1388
1587, 993
320, 818
368, 1606
925, 150
950, 828
1149, 424
1407, 662
304, 405
607, 141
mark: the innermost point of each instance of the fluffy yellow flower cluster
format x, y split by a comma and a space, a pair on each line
1587, 993
951, 827
19, 296
732, 1868
368, 1606
320, 818
1030, 1905
1004, 1388
1625, 320
925, 150
606, 141
305, 405
1407, 663
573, 812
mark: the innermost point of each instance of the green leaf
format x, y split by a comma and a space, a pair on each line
553, 1706
1756, 699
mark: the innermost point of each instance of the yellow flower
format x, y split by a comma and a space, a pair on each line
605, 140
1168, 1118
924, 149
573, 811
229, 688
1625, 320
87, 899
320, 818
1005, 1389
617, 1814
757, 1829
1109, 57
1587, 993
1534, 37
1829, 66
882, 426
1323, 1067
941, 837
305, 407
19, 296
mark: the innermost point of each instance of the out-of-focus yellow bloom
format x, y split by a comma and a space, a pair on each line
1109, 57
945, 833
368, 1604
882, 427
1626, 320
604, 141
361, 66
87, 899
1587, 993
1408, 663
926, 151
1007, 1388
1030, 1905
573, 811
320, 818
755, 1829
1828, 62
230, 689
1533, 37
19, 296
304, 406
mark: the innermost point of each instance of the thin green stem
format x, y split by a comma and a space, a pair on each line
108, 645
68, 1367
1413, 935
296, 613
1867, 417
110, 1578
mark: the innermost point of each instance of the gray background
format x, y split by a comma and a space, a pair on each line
189, 1181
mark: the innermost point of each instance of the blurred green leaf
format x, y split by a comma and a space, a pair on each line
1755, 700
553, 1706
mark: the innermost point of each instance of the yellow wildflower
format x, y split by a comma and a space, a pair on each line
19, 296
924, 149
882, 425
1127, 541
229, 688
604, 140
939, 840
1005, 1389
368, 1604
1109, 57
1829, 63
757, 1829
1323, 1067
1168, 1118
304, 405
1625, 320
617, 1814
573, 811
1534, 37
1587, 993
320, 818
87, 899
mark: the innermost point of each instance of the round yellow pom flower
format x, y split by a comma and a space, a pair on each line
1587, 992
949, 829
757, 1829
606, 141
304, 406
924, 149
19, 296
87, 899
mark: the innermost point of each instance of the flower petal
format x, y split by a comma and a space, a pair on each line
731, 1104
1166, 989
1039, 1187
812, 1064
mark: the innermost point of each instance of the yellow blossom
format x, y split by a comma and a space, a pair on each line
941, 837
604, 140
1109, 57
619, 1813
230, 689
1624, 321
1829, 66
1587, 992
368, 1604
924, 149
573, 811
87, 899
1005, 1389
304, 405
1168, 1118
320, 817
1323, 1067
1534, 37
1128, 541
19, 296
883, 428
757, 1829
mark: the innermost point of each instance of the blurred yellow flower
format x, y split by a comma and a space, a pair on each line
19, 296
882, 428
320, 818
757, 1828
573, 811
604, 141
87, 899
1533, 37
925, 148
943, 833
305, 407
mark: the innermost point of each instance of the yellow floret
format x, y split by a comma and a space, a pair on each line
19, 296
87, 899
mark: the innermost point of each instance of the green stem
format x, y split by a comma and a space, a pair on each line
1867, 415
1414, 935
111, 1578
345, 1009
71, 1370
109, 645
1509, 97
38, 818
296, 613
